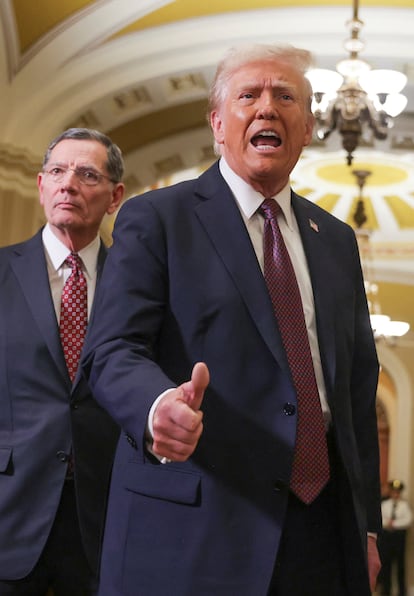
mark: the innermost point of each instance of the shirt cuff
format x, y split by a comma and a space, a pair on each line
150, 428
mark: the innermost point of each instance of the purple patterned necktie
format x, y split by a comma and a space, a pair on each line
74, 314
310, 469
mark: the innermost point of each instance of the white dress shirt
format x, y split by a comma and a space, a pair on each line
402, 512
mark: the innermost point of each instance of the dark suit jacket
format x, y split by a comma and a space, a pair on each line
42, 417
182, 284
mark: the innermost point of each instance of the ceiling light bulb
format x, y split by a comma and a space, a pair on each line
382, 80
324, 80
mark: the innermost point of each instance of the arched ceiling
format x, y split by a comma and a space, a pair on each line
140, 69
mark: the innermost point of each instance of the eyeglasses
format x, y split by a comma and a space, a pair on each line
83, 175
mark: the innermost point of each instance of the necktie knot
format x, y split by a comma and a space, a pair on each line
74, 261
270, 209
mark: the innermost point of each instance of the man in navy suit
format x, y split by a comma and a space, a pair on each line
56, 442
187, 356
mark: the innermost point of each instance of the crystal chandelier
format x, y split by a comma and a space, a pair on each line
355, 97
382, 325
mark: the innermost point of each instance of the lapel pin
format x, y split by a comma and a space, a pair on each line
314, 225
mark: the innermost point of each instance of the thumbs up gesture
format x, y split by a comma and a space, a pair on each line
178, 420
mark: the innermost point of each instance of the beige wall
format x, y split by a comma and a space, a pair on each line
20, 212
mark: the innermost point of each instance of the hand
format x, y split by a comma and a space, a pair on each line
374, 563
177, 422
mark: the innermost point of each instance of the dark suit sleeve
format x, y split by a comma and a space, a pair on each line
119, 357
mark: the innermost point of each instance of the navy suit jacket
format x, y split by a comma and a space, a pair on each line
182, 284
42, 417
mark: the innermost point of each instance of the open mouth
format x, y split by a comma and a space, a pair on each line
266, 139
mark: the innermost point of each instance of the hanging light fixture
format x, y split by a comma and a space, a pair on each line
355, 97
382, 325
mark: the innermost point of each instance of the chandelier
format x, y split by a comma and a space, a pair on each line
355, 97
382, 325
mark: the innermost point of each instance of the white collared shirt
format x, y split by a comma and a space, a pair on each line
56, 253
249, 201
402, 514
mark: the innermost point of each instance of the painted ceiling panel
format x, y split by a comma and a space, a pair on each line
403, 213
186, 9
35, 19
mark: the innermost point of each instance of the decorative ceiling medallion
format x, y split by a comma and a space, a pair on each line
324, 178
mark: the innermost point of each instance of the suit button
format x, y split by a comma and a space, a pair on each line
279, 485
62, 456
289, 409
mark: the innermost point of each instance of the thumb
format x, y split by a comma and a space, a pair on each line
193, 391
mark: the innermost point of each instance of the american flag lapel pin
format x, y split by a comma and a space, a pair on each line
314, 225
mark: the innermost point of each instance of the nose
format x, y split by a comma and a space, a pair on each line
267, 109
68, 178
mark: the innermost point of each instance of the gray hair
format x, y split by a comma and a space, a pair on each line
114, 164
237, 57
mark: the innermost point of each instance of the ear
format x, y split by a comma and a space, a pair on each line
217, 126
117, 196
310, 121
40, 186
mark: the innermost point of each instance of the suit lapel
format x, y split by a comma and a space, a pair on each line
222, 221
101, 260
29, 266
317, 250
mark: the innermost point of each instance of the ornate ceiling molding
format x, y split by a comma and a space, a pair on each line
18, 170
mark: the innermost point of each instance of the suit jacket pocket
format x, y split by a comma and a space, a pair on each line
163, 482
5, 457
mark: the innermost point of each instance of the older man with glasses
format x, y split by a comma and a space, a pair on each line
56, 443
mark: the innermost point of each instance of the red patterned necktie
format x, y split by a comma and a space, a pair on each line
73, 314
310, 470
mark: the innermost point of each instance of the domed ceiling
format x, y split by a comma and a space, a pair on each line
140, 71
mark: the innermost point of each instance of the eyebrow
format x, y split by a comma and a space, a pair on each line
65, 165
278, 84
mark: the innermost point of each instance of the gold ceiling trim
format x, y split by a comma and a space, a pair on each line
37, 23
382, 174
36, 37
403, 213
189, 9
34, 20
328, 201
